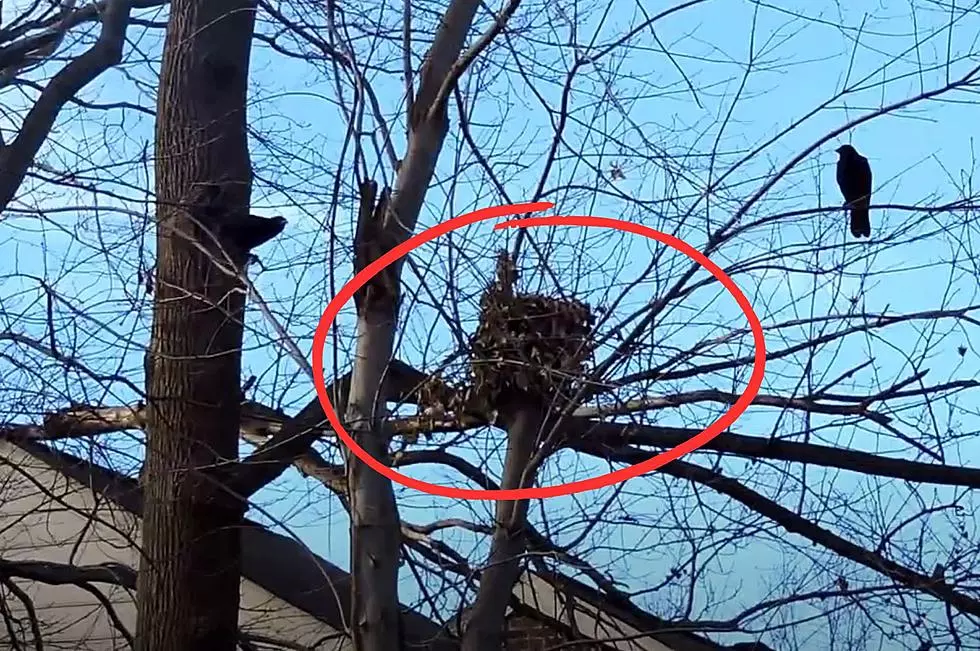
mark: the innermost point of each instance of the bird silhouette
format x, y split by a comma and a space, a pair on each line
244, 231
854, 179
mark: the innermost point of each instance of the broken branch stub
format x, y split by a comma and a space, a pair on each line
371, 241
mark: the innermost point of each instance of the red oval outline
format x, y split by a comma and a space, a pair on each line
695, 442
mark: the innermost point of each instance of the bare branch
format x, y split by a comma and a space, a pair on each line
16, 158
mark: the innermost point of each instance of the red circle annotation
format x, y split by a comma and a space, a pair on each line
360, 279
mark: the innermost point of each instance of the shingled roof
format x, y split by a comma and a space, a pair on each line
275, 562
296, 575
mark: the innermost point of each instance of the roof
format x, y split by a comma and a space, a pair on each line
562, 600
275, 562
296, 575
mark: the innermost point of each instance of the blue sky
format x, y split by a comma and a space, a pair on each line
634, 108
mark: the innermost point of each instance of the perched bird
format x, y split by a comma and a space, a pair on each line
250, 231
243, 231
854, 179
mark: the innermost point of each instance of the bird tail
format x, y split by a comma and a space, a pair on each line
860, 219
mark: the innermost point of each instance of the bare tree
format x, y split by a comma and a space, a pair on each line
30, 40
190, 568
837, 512
374, 516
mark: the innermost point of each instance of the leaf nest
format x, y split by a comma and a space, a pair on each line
529, 346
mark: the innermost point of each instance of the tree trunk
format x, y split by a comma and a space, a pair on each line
484, 628
375, 523
375, 530
189, 576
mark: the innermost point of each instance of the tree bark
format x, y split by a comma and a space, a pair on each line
484, 628
189, 575
375, 523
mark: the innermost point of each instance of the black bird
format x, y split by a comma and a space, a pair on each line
854, 179
251, 231
245, 231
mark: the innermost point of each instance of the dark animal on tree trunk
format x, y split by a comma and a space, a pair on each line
854, 179
245, 232
252, 231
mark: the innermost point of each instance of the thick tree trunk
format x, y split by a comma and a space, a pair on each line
484, 629
189, 576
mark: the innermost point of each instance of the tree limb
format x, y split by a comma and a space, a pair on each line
607, 440
17, 157
794, 523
